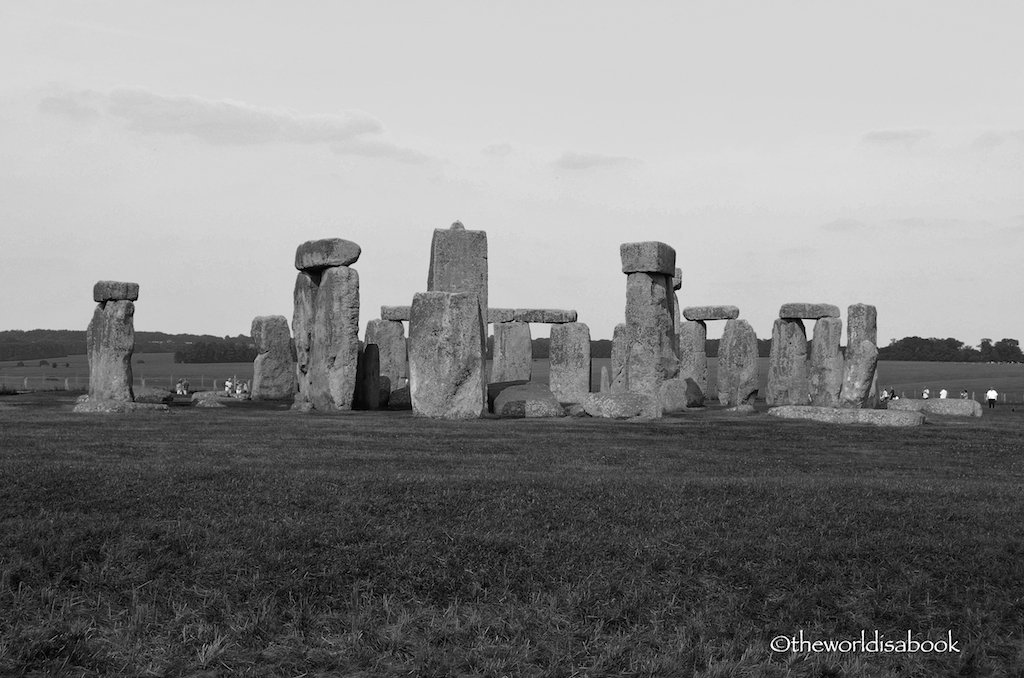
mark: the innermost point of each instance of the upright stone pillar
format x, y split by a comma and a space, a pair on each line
368, 378
389, 336
737, 364
861, 363
677, 284
652, 356
458, 263
619, 377
447, 379
788, 382
326, 324
513, 352
826, 363
273, 374
693, 356
110, 341
570, 362
861, 324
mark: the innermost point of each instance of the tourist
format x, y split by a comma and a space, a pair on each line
942, 394
926, 394
178, 388
227, 386
963, 394
991, 395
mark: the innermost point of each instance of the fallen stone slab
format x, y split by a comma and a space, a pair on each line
400, 399
500, 315
395, 312
833, 415
943, 406
119, 407
214, 403
494, 389
680, 394
711, 312
530, 400
199, 396
316, 255
621, 405
153, 395
544, 315
113, 290
801, 311
648, 257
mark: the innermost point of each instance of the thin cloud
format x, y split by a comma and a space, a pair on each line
895, 137
69, 105
801, 252
936, 224
994, 139
571, 160
499, 150
843, 226
378, 148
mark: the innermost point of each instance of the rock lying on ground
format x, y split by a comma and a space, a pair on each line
945, 406
153, 395
833, 415
530, 400
118, 407
621, 405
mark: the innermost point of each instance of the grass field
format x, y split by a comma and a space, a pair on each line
255, 541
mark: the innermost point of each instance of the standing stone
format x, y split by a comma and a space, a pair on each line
304, 297
620, 352
606, 380
513, 352
861, 361
458, 263
316, 255
677, 284
737, 364
788, 382
334, 354
861, 324
693, 356
273, 373
446, 350
570, 362
110, 341
367, 396
652, 354
826, 362
389, 336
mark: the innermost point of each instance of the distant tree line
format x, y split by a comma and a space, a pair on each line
36, 344
217, 352
952, 350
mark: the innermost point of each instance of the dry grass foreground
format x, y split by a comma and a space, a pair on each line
253, 541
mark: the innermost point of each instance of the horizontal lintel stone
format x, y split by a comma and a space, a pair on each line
500, 315
315, 255
800, 311
395, 312
112, 290
648, 257
544, 315
711, 312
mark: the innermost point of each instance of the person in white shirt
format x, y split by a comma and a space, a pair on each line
942, 393
991, 395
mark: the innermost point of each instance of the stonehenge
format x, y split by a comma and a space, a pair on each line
737, 364
110, 341
513, 352
273, 372
570, 362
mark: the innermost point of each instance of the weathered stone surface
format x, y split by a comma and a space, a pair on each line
826, 362
500, 315
788, 382
832, 415
316, 255
861, 361
944, 406
801, 311
110, 341
401, 399
334, 354
119, 407
622, 405
446, 355
711, 312
458, 263
527, 400
153, 395
570, 362
494, 389
648, 257
199, 396
861, 324
651, 332
693, 356
302, 329
395, 313
513, 352
679, 394
367, 396
606, 380
737, 364
677, 279
112, 290
620, 353
214, 403
273, 376
544, 315
389, 336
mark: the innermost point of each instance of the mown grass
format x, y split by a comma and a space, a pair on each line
253, 541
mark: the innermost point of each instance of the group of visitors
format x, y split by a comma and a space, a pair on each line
991, 395
235, 387
181, 388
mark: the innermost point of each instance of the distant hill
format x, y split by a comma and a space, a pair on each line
35, 344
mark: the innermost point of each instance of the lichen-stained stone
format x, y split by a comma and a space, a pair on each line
859, 374
446, 355
648, 257
458, 263
304, 297
693, 356
570, 362
826, 362
395, 312
389, 336
622, 405
273, 376
113, 290
368, 379
832, 415
316, 255
501, 315
737, 364
619, 377
531, 400
954, 407
110, 341
334, 354
788, 382
544, 315
513, 352
711, 312
651, 333
802, 311
861, 324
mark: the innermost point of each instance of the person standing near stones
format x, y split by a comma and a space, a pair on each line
942, 394
991, 395
926, 394
963, 394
